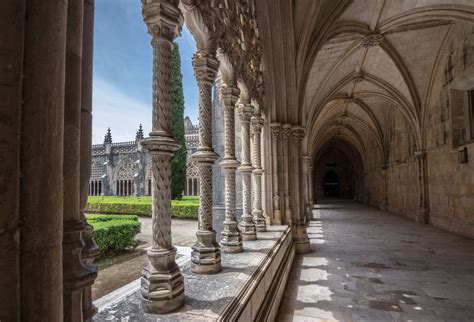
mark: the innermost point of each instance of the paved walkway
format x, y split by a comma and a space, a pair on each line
369, 265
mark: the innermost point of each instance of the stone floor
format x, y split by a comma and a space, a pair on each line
369, 265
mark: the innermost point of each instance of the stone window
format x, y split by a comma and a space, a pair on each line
462, 116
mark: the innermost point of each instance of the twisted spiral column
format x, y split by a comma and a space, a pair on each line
231, 239
247, 226
257, 212
206, 254
162, 285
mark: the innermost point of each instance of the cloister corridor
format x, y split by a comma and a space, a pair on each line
370, 265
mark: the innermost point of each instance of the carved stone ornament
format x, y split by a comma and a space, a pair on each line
371, 40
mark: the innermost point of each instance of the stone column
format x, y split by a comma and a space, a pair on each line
76, 275
257, 212
384, 201
90, 251
422, 215
231, 239
311, 192
162, 285
275, 129
206, 255
41, 184
247, 226
286, 132
300, 235
306, 183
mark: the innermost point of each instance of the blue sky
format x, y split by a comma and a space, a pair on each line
123, 71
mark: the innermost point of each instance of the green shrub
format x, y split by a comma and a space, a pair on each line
114, 233
186, 208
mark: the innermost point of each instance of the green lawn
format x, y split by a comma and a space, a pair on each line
187, 207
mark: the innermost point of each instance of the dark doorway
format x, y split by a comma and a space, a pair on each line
331, 185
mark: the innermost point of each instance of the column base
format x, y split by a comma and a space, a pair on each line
231, 240
206, 255
248, 230
162, 285
77, 275
277, 217
422, 216
259, 220
300, 237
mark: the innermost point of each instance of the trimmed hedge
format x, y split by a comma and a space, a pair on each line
186, 208
114, 233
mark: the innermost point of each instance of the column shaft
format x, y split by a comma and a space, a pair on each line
90, 251
231, 239
286, 133
77, 276
247, 226
275, 129
422, 213
300, 235
257, 212
41, 184
206, 255
162, 285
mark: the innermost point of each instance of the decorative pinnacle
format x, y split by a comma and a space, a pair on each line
108, 137
139, 135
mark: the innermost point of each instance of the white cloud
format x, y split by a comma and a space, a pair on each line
117, 110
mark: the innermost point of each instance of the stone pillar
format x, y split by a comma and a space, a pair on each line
300, 235
422, 215
162, 285
76, 275
247, 226
257, 212
311, 192
286, 133
90, 251
206, 255
305, 191
384, 201
276, 129
41, 184
231, 239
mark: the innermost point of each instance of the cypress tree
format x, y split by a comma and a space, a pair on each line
178, 162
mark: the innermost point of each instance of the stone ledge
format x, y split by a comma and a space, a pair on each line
249, 287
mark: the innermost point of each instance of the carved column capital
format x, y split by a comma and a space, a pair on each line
257, 124
420, 154
244, 112
205, 68
298, 132
163, 19
286, 131
275, 128
229, 94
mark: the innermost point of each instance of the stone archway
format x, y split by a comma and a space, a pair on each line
338, 171
331, 186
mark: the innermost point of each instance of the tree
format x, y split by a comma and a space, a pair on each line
178, 162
